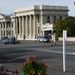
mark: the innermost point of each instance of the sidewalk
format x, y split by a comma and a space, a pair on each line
68, 39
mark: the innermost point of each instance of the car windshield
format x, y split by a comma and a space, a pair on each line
3, 38
45, 36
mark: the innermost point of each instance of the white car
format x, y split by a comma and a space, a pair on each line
43, 39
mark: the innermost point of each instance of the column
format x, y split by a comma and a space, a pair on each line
20, 23
36, 27
0, 30
23, 27
28, 18
11, 28
34, 23
5, 29
15, 26
42, 31
30, 27
26, 27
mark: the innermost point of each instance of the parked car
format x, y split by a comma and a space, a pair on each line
43, 38
10, 40
3, 38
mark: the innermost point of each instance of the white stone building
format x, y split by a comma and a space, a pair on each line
29, 22
5, 25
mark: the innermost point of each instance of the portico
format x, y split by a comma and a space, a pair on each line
5, 26
25, 27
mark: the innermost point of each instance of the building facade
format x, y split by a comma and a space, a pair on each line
29, 22
5, 25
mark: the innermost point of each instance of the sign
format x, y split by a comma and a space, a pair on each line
47, 27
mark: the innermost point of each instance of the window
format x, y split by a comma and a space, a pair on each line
61, 17
54, 19
38, 30
48, 19
12, 25
1, 25
4, 25
7, 25
18, 27
12, 32
1, 32
4, 32
38, 18
9, 32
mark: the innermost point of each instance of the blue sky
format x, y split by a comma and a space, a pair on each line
9, 6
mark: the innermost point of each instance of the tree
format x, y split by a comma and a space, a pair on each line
67, 24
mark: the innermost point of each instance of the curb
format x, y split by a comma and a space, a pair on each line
68, 39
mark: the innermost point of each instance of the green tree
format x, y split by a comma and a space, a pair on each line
67, 24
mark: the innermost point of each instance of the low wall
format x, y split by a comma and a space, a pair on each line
68, 39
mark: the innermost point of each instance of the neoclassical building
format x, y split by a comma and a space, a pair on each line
29, 22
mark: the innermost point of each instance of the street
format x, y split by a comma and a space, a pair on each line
12, 56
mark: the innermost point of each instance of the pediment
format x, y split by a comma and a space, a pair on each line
1, 16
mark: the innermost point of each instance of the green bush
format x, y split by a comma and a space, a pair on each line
67, 24
33, 67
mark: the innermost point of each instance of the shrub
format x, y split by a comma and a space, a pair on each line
33, 67
2, 70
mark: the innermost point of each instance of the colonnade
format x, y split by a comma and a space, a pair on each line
5, 29
26, 26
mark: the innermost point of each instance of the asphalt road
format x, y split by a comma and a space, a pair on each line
12, 56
